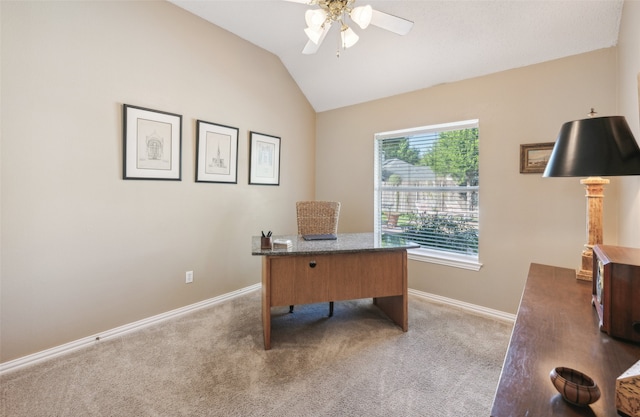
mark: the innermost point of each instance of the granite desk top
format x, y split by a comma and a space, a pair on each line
345, 243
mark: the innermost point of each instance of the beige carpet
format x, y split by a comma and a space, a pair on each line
212, 363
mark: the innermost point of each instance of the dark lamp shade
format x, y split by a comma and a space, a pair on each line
594, 147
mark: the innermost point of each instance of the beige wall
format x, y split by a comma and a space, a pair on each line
629, 95
84, 251
524, 218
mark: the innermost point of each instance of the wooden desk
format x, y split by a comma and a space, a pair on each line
556, 325
356, 265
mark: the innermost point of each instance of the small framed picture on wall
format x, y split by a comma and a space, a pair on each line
152, 144
264, 159
216, 153
534, 157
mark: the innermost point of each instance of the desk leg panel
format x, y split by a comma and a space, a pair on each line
266, 301
396, 307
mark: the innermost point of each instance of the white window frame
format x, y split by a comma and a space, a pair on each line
423, 254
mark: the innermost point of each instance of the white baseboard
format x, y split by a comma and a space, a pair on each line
118, 331
472, 308
128, 328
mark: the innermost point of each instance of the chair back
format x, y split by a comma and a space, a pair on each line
317, 217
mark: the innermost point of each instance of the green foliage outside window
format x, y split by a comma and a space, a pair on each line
455, 154
442, 231
401, 149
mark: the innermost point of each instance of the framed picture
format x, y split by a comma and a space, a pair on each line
152, 148
264, 159
534, 157
216, 153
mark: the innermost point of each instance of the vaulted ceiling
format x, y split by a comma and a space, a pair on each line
451, 40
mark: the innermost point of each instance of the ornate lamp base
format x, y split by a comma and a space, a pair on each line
585, 273
595, 197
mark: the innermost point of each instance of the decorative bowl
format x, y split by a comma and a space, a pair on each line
574, 386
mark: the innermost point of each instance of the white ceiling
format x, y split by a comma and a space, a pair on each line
451, 40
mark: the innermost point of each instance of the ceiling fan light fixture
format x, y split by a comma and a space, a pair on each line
314, 34
315, 18
337, 11
348, 36
362, 15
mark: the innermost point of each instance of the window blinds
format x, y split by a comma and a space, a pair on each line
427, 184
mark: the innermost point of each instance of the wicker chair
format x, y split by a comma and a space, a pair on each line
317, 217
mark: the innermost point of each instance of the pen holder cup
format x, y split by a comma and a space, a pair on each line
266, 243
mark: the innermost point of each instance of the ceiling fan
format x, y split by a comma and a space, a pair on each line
319, 22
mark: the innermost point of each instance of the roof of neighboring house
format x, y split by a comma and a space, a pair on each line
409, 173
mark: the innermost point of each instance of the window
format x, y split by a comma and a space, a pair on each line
426, 190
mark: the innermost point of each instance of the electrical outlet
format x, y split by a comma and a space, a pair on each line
189, 277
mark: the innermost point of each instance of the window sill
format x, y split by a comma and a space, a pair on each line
443, 258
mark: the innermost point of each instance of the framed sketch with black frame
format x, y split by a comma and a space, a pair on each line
264, 159
216, 153
152, 148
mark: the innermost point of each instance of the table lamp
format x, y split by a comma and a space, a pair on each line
594, 147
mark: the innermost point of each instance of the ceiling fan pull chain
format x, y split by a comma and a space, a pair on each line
340, 41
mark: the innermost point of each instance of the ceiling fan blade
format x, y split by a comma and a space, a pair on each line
311, 47
391, 23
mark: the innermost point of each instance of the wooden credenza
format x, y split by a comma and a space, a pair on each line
354, 266
557, 325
